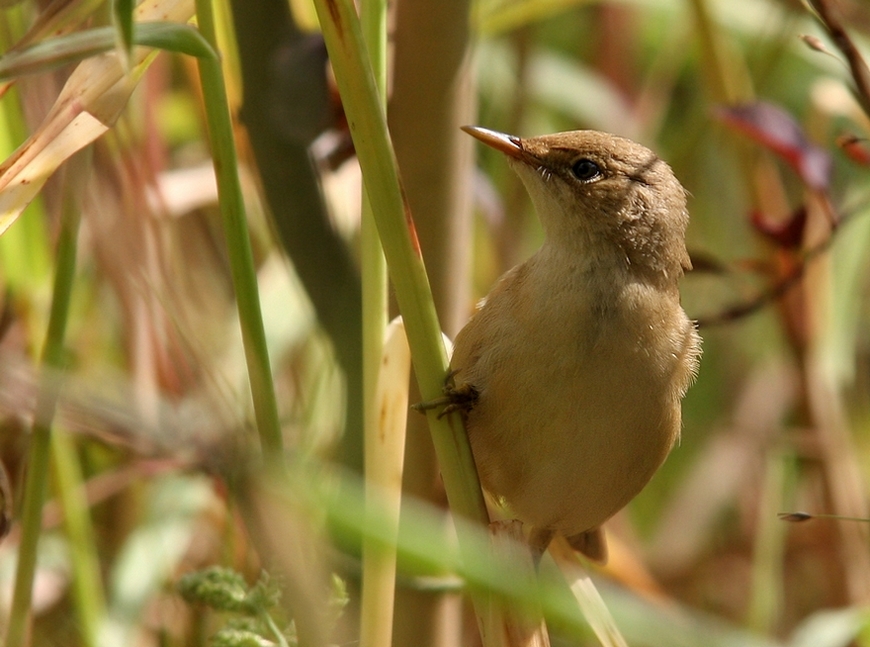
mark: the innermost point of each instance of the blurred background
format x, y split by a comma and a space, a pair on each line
760, 107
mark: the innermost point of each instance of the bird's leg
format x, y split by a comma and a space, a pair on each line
455, 398
525, 628
539, 540
591, 543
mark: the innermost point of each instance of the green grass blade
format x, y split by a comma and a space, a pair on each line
241, 257
40, 443
122, 16
71, 48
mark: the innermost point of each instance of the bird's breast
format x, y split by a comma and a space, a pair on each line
578, 404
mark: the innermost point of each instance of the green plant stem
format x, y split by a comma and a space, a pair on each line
374, 268
766, 599
87, 586
371, 139
279, 637
40, 442
241, 258
379, 560
264, 30
377, 159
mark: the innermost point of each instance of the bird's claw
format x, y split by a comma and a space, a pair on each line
455, 398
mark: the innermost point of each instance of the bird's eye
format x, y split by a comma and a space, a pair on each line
585, 170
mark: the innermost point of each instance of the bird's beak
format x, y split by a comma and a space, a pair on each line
507, 144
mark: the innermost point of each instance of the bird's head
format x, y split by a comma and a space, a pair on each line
600, 195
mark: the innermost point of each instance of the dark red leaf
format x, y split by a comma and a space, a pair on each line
856, 148
776, 130
787, 234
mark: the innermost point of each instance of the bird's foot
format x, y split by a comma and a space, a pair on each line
592, 543
539, 539
454, 398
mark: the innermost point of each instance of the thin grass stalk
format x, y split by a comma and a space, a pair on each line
377, 159
766, 600
729, 82
87, 586
384, 453
40, 442
89, 599
238, 240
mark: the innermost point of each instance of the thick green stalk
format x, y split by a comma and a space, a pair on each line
371, 139
433, 95
241, 258
40, 442
377, 159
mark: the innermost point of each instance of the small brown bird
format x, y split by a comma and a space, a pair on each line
572, 371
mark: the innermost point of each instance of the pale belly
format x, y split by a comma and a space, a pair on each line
567, 438
579, 390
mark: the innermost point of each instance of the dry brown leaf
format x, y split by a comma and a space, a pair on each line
90, 102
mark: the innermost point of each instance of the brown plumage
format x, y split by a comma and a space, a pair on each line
578, 359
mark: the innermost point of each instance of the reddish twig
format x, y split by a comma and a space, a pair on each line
775, 292
860, 72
